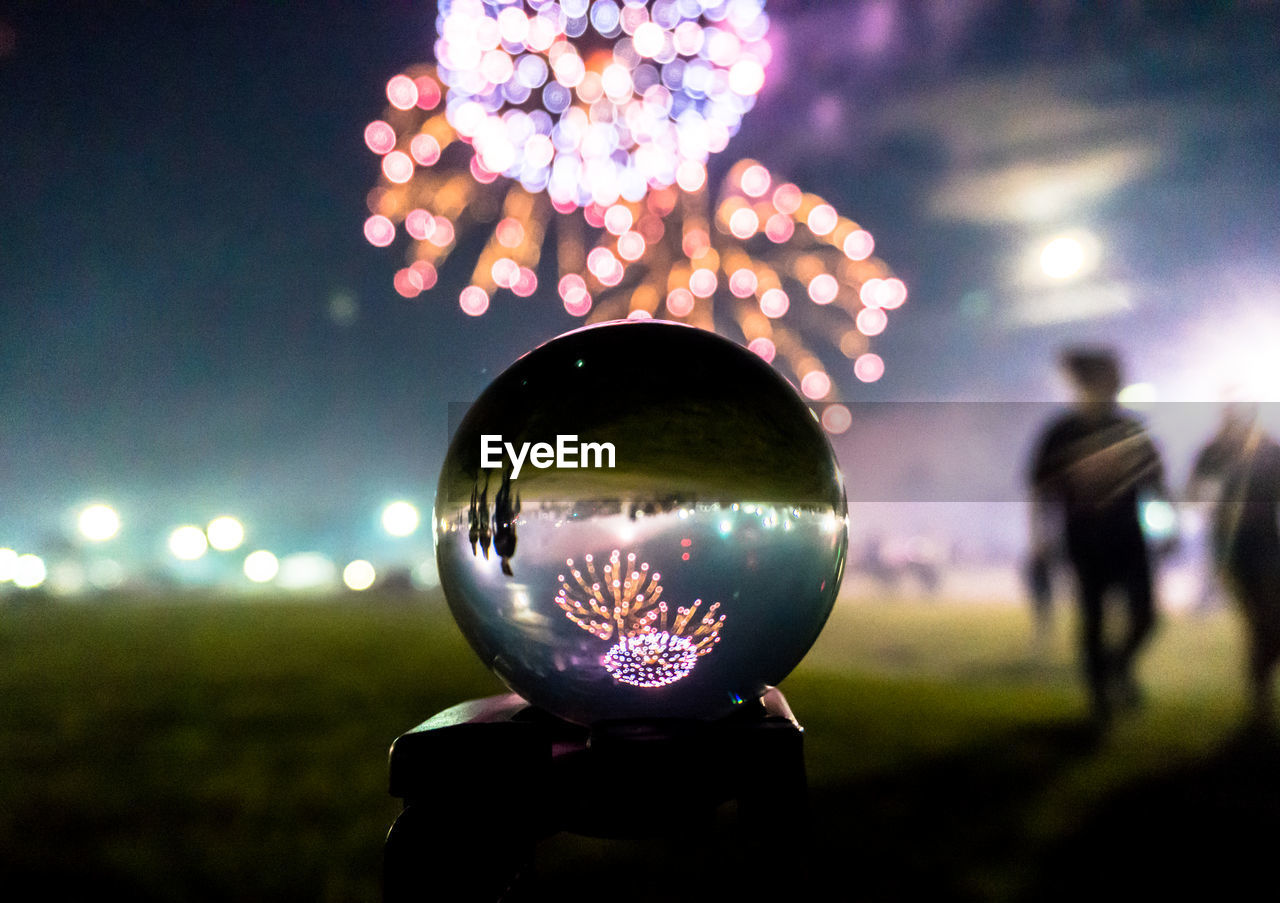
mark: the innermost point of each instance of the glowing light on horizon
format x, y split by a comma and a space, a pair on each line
624, 604
188, 543
261, 566
29, 571
225, 533
8, 563
98, 523
359, 575
400, 518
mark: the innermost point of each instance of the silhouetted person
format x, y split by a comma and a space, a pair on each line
1245, 462
473, 524
505, 512
1089, 467
486, 531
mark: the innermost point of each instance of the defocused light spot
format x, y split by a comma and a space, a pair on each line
509, 232
618, 219
631, 246
400, 518
893, 292
419, 224
872, 293
823, 288
755, 180
746, 77
762, 347
98, 523
1137, 395
428, 92
872, 321
858, 244
694, 243
261, 566
743, 282
188, 543
1159, 519
406, 283
8, 561
836, 419
680, 302
787, 198
525, 284
29, 571
359, 575
868, 367
774, 303
443, 232
703, 282
639, 315
744, 223
380, 137
473, 300
648, 39
1062, 258
306, 570
379, 231
225, 533
425, 272
691, 175
779, 228
822, 219
815, 384
402, 92
505, 271
397, 166
103, 573
425, 149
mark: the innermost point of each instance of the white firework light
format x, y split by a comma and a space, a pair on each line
625, 604
595, 103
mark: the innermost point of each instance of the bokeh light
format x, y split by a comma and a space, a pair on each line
8, 564
29, 571
225, 533
98, 523
261, 566
187, 543
1062, 258
400, 518
359, 575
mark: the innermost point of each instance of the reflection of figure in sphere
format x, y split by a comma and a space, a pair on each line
1245, 463
473, 522
505, 513
1089, 467
486, 532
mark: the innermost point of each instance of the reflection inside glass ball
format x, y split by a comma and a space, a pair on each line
640, 519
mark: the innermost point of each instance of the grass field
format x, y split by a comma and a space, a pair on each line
219, 750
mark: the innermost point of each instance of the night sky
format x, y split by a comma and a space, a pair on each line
191, 322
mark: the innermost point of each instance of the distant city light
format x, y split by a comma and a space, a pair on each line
188, 543
98, 523
8, 564
261, 566
29, 571
306, 570
225, 533
400, 518
1062, 258
359, 575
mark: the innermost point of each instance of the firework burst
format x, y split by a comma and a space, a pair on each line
625, 604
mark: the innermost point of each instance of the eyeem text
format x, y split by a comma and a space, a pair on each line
567, 453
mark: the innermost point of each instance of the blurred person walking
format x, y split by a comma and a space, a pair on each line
1242, 463
1090, 466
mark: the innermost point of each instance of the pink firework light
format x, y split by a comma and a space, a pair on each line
623, 602
535, 119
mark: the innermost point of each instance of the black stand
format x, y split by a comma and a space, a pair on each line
485, 781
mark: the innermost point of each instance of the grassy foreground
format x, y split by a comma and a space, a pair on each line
233, 750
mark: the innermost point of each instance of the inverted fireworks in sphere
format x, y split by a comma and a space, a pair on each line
625, 605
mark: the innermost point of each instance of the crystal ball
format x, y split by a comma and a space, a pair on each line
640, 519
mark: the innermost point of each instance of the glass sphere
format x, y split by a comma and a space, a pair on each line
640, 519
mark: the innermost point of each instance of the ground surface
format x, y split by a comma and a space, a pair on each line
219, 750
